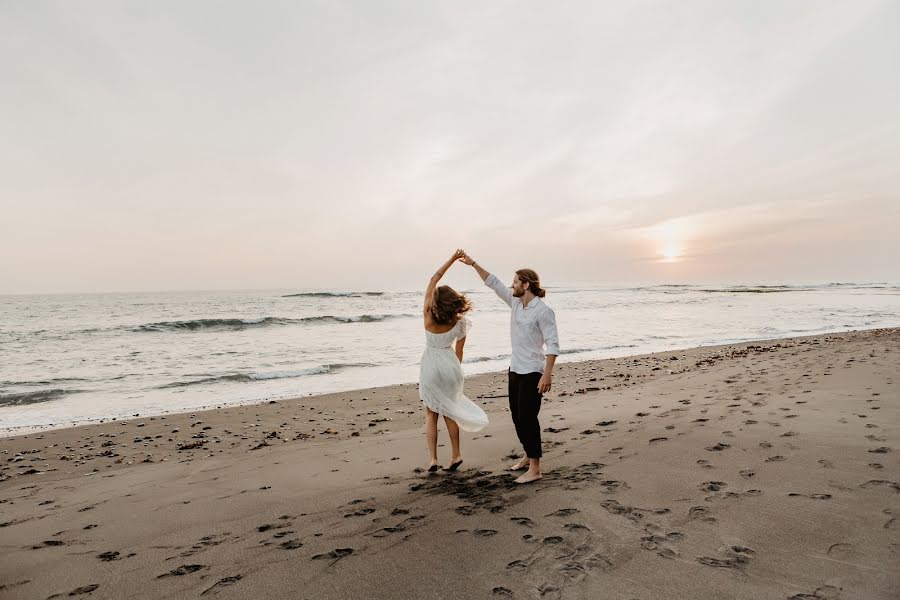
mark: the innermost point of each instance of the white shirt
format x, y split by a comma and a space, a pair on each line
530, 328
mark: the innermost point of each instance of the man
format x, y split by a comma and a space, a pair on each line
532, 325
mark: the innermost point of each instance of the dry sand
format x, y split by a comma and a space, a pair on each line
765, 470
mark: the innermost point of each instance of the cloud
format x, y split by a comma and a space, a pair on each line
236, 136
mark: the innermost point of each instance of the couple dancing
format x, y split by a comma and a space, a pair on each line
532, 325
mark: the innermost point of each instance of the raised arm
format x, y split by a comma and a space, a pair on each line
432, 284
466, 259
492, 281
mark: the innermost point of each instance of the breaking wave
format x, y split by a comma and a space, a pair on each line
250, 377
332, 294
238, 324
24, 398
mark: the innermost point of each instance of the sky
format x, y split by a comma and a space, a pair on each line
174, 145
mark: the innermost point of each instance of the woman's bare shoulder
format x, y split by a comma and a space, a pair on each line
433, 327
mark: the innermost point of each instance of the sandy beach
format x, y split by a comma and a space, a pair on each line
765, 470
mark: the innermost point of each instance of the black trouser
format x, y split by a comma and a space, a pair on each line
525, 404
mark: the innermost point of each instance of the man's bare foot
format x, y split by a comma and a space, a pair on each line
529, 477
520, 464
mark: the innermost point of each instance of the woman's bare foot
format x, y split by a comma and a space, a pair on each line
520, 464
529, 477
454, 463
433, 466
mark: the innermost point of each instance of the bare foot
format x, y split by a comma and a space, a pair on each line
520, 464
454, 463
529, 477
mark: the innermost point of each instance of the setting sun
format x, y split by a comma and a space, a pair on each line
671, 253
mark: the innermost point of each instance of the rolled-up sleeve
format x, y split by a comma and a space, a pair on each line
501, 290
548, 330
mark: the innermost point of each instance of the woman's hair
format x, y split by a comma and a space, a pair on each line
449, 305
533, 281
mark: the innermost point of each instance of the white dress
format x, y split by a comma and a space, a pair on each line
441, 379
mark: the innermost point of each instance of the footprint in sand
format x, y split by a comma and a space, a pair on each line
553, 539
746, 473
548, 590
282, 533
652, 541
878, 482
740, 558
718, 447
85, 589
823, 593
518, 566
335, 554
563, 512
611, 486
812, 496
182, 570
776, 458
109, 556
712, 486
522, 521
734, 562
744, 494
701, 513
502, 591
485, 532
224, 582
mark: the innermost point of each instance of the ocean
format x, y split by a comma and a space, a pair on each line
74, 359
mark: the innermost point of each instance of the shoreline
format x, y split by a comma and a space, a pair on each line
16, 431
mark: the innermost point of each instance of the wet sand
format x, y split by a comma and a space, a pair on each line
764, 470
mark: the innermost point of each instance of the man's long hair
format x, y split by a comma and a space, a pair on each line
533, 281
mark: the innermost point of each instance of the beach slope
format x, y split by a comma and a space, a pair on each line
765, 470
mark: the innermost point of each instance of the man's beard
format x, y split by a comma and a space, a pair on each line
518, 294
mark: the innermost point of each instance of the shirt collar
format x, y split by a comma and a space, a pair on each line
531, 304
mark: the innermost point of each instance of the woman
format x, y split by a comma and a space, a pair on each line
440, 374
